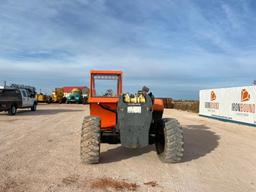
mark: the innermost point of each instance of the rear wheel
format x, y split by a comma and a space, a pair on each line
12, 110
90, 140
64, 99
84, 101
49, 100
169, 141
33, 108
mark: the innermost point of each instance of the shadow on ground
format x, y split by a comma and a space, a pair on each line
121, 153
199, 141
25, 112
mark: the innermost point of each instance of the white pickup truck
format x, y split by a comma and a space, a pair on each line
12, 98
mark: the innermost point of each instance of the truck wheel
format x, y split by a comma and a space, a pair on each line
90, 140
169, 141
48, 101
12, 110
33, 108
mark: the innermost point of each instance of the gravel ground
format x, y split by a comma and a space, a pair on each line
39, 151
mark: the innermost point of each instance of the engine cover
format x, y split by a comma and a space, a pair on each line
133, 122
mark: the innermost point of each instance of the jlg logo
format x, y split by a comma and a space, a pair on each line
245, 95
213, 96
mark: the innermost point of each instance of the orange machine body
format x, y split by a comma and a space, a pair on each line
105, 107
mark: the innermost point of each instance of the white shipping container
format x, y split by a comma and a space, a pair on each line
234, 104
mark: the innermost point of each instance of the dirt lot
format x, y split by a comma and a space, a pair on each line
40, 152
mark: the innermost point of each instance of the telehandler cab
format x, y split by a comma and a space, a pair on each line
135, 121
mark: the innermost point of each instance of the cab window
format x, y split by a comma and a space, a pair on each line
105, 86
24, 93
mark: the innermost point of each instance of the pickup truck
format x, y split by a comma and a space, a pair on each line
13, 98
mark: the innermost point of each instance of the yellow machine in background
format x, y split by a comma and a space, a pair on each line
57, 96
41, 98
76, 90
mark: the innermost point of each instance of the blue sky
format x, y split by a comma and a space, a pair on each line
176, 47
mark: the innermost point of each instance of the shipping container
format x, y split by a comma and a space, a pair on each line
233, 104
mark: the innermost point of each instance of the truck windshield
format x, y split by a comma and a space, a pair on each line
105, 86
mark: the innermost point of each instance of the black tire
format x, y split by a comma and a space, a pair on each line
169, 141
64, 99
33, 108
12, 110
90, 140
48, 101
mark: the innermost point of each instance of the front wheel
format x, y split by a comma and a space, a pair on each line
12, 110
169, 141
90, 140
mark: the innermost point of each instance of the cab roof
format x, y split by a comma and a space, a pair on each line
106, 72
